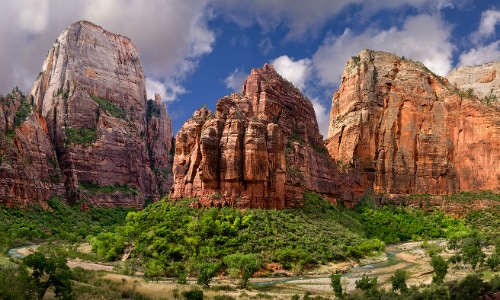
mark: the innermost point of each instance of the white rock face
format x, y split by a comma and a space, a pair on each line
483, 79
104, 64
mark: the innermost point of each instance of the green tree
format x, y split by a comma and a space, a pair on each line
207, 271
367, 285
16, 283
469, 248
47, 272
493, 261
336, 284
440, 266
398, 281
247, 264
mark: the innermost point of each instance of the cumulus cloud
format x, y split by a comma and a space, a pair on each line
234, 81
169, 90
322, 115
482, 51
300, 19
297, 72
489, 19
170, 35
423, 37
305, 19
480, 55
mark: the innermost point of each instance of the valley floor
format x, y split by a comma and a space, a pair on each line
409, 256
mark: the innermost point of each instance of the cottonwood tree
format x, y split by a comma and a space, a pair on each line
50, 271
247, 264
440, 266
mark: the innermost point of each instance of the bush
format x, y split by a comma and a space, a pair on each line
110, 107
194, 294
82, 136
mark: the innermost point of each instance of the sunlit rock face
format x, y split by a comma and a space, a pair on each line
260, 148
410, 131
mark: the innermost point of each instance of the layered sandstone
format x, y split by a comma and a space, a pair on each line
484, 80
260, 148
410, 131
29, 171
110, 145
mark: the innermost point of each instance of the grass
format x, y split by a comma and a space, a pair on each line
110, 107
94, 188
82, 136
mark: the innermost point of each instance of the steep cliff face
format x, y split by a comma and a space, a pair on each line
484, 80
110, 145
411, 131
261, 148
29, 171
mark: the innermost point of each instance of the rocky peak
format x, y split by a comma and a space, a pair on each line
108, 145
260, 148
484, 80
410, 131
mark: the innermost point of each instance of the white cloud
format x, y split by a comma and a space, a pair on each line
482, 51
171, 35
301, 19
169, 90
234, 81
423, 37
298, 72
322, 115
480, 55
489, 19
298, 17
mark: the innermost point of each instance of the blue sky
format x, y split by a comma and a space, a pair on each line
195, 52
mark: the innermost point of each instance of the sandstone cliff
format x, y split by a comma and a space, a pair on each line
109, 145
261, 148
484, 80
410, 131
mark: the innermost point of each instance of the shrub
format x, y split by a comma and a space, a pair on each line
110, 107
82, 136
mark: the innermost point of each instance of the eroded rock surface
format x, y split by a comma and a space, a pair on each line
260, 148
484, 80
411, 131
109, 144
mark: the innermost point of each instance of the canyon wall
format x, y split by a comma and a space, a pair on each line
411, 131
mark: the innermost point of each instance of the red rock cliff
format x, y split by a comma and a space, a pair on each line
410, 131
102, 130
261, 148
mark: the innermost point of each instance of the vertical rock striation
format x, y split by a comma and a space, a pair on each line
110, 145
410, 131
261, 148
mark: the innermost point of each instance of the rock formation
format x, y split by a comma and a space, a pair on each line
261, 148
109, 145
484, 80
410, 131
